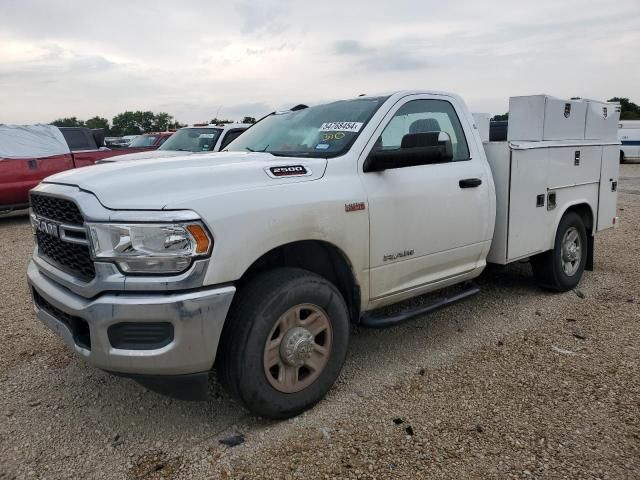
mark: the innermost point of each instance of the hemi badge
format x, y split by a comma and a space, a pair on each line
354, 207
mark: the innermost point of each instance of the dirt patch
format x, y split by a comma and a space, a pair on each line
156, 465
512, 383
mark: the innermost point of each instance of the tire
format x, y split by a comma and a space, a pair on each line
622, 159
555, 270
283, 308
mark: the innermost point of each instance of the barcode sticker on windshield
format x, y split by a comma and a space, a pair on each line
341, 127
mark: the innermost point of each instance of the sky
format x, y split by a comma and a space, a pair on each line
198, 59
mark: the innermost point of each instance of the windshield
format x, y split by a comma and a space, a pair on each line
321, 131
143, 141
192, 140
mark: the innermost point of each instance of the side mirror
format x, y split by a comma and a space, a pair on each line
98, 136
415, 149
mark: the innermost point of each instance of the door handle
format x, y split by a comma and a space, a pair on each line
470, 182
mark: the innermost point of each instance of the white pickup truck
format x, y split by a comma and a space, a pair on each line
189, 140
258, 259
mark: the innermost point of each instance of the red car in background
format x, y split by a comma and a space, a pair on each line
30, 153
87, 146
148, 141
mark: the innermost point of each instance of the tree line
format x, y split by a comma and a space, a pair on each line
217, 121
628, 110
133, 123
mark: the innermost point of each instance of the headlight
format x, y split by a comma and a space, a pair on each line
149, 247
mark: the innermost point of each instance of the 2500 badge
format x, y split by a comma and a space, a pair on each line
289, 171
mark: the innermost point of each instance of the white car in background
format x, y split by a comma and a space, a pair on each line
629, 135
189, 140
129, 138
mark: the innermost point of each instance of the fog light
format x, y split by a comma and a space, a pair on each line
140, 335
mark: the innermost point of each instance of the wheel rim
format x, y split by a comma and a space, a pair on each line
298, 348
571, 251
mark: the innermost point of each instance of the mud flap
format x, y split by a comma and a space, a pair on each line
190, 387
590, 245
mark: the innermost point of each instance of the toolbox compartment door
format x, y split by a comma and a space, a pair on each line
529, 222
608, 187
570, 166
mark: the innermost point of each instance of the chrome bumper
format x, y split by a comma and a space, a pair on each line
197, 318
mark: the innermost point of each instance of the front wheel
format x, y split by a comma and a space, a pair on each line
284, 343
561, 269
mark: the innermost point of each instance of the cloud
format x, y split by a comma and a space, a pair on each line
63, 59
395, 56
351, 47
265, 16
262, 51
53, 62
205, 111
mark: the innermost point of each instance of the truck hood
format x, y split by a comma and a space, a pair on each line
159, 183
146, 154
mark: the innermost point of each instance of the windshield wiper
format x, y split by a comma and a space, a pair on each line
292, 154
252, 150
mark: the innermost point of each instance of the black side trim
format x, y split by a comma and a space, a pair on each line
381, 320
11, 208
190, 387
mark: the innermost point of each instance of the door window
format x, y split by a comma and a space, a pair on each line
422, 116
78, 139
230, 137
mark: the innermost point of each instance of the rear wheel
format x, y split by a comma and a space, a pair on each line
622, 159
561, 268
285, 342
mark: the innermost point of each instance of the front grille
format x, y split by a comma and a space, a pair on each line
78, 327
71, 257
55, 208
74, 258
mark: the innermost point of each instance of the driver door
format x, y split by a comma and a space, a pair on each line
427, 223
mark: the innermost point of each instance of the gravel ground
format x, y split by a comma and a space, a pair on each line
514, 383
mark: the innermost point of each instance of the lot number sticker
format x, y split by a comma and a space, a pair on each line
341, 127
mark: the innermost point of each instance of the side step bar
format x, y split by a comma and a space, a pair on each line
380, 320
